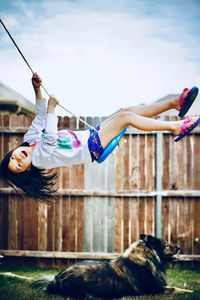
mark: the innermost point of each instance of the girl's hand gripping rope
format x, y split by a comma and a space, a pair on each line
52, 103
36, 81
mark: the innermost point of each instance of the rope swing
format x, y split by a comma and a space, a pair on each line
116, 140
41, 84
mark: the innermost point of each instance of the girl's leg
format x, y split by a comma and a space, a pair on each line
153, 110
114, 125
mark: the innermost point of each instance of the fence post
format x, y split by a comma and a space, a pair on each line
159, 173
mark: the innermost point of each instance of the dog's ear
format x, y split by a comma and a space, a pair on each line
149, 240
153, 242
146, 237
143, 237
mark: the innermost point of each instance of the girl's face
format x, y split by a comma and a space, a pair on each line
21, 159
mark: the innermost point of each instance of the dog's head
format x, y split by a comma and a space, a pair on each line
164, 250
150, 248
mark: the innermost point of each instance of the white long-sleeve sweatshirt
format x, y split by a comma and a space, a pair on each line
55, 148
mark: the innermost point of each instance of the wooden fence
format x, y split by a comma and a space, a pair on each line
101, 209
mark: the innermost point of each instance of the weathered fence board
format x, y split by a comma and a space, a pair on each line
132, 217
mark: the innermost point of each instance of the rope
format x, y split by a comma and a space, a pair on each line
41, 84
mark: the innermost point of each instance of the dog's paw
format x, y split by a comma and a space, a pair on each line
175, 290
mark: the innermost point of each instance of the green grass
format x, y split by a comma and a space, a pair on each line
14, 288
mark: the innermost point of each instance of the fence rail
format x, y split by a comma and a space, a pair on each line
103, 208
80, 255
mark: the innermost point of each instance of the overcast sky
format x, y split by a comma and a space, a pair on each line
97, 56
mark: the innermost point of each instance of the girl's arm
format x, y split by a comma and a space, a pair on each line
38, 123
49, 140
36, 82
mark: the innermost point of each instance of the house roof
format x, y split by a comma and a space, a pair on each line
13, 102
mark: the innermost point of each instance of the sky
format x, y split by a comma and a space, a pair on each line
96, 56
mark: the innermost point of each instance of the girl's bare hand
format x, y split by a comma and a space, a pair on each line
52, 103
36, 80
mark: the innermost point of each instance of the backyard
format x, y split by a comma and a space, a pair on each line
103, 209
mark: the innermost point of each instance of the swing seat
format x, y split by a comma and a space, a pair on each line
111, 146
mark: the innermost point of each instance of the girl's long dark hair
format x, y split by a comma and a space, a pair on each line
36, 183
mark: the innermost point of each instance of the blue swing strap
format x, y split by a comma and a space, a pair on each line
111, 146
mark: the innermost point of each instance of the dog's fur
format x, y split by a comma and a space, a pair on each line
139, 270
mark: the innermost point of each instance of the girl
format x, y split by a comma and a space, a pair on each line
27, 168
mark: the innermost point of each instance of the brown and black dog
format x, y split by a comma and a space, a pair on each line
139, 270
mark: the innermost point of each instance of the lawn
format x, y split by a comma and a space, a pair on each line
14, 288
